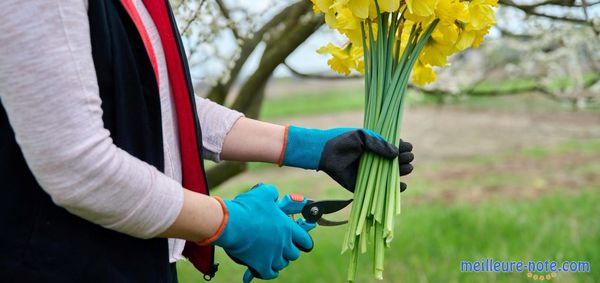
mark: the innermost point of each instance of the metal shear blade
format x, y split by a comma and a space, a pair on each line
325, 222
314, 211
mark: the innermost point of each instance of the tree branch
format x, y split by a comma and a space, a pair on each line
560, 3
531, 9
508, 33
302, 75
278, 48
225, 13
251, 94
195, 16
220, 91
223, 171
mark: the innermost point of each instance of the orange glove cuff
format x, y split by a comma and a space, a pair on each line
285, 137
221, 228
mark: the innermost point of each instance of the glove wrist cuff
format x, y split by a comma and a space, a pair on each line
221, 228
285, 138
302, 147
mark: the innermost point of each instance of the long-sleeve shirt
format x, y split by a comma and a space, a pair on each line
49, 90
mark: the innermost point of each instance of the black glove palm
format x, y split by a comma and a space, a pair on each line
337, 152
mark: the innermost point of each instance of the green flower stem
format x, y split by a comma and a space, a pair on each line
377, 196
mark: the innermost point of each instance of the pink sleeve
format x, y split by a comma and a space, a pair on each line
216, 121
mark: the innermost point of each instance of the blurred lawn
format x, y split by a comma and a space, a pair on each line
432, 239
299, 103
539, 203
302, 104
435, 234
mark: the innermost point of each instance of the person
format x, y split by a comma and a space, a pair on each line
102, 142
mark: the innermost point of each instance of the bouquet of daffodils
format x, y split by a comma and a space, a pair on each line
388, 40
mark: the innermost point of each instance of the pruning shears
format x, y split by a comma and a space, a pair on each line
312, 214
311, 211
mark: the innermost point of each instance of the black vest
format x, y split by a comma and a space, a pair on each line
42, 242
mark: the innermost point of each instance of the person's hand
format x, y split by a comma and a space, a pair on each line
337, 152
259, 235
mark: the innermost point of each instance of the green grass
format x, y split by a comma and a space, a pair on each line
504, 102
330, 101
313, 103
585, 146
433, 236
566, 82
523, 84
432, 239
513, 85
573, 145
545, 164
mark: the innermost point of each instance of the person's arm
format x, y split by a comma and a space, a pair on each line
253, 140
217, 122
200, 218
334, 151
49, 90
228, 135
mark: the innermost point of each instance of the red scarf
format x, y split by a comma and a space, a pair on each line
193, 174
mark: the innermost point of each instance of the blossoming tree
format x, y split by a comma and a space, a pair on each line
273, 31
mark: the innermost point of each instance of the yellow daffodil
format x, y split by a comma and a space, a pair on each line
346, 20
315, 8
339, 60
330, 19
450, 11
388, 5
465, 40
462, 24
423, 74
349, 25
481, 19
446, 33
322, 6
357, 53
339, 4
482, 14
422, 8
479, 36
374, 27
435, 53
419, 19
436, 29
372, 10
493, 3
404, 35
360, 8
343, 59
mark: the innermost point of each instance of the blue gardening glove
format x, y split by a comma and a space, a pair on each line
337, 152
261, 236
